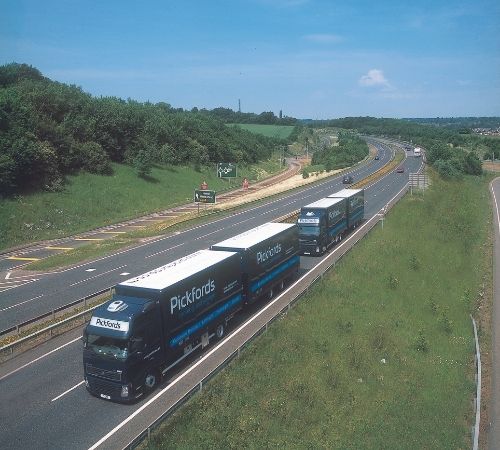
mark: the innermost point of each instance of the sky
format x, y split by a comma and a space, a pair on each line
316, 59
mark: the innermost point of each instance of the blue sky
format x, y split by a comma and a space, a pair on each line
309, 58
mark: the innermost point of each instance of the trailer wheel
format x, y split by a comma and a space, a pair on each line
282, 285
219, 331
151, 380
270, 294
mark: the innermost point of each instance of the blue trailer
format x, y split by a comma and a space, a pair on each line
355, 205
269, 258
321, 224
155, 320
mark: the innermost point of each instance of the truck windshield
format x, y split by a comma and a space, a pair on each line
108, 346
309, 230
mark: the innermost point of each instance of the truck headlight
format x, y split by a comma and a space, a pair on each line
125, 390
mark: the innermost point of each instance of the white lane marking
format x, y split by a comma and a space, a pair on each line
496, 205
7, 276
97, 276
89, 270
69, 390
17, 284
163, 251
21, 303
39, 358
124, 274
206, 356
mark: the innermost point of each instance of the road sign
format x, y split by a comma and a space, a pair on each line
204, 196
226, 170
419, 180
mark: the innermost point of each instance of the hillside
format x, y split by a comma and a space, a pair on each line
50, 130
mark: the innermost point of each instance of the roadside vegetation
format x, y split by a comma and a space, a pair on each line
51, 130
378, 355
90, 200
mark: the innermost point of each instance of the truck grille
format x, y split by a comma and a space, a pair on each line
102, 373
99, 386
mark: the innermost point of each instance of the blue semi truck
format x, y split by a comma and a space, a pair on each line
321, 224
269, 257
155, 320
355, 199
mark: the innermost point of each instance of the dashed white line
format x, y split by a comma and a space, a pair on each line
99, 275
163, 251
22, 303
69, 390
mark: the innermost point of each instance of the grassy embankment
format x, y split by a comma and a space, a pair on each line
277, 131
378, 355
91, 201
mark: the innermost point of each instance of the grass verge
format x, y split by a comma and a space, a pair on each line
379, 355
90, 201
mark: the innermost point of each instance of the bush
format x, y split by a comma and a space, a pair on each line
95, 159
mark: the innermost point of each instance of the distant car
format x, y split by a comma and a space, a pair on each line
347, 179
377, 157
400, 169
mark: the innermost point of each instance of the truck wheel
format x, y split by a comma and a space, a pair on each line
282, 285
219, 331
270, 294
151, 380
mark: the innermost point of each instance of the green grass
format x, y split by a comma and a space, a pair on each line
90, 201
277, 131
317, 379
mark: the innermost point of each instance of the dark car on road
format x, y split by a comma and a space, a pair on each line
377, 157
347, 179
400, 169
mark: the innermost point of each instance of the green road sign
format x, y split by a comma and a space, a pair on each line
226, 170
204, 196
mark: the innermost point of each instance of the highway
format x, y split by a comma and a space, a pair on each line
43, 403
35, 294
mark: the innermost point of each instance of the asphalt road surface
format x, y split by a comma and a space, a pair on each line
43, 402
494, 431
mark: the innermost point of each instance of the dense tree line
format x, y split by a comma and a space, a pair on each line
449, 151
50, 129
350, 150
461, 124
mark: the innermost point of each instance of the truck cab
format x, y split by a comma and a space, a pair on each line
122, 347
321, 224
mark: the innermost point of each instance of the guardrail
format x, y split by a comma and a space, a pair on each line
28, 341
301, 289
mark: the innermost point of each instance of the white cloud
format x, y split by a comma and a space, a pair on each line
374, 78
324, 38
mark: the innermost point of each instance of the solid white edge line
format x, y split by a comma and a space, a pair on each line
496, 204
235, 332
39, 358
69, 390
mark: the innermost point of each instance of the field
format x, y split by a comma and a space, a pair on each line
277, 131
89, 201
378, 355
